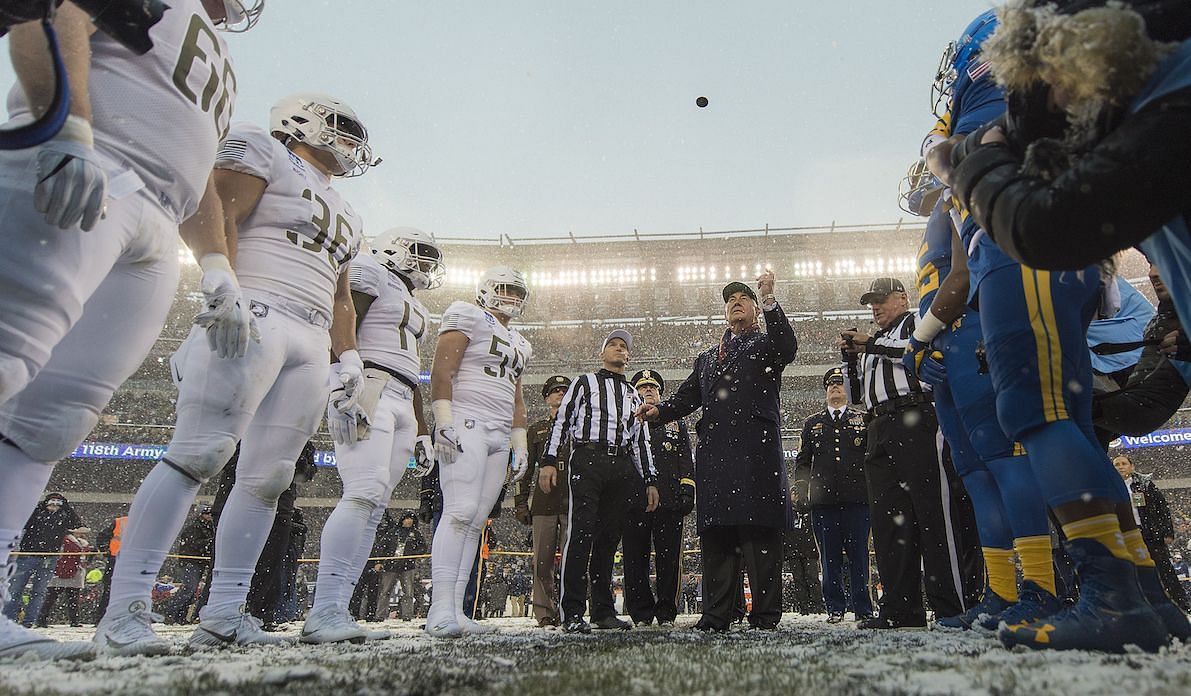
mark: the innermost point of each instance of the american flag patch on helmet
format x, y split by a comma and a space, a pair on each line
975, 72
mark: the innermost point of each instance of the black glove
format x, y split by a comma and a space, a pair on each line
686, 499
426, 511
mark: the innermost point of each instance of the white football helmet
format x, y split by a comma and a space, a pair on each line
504, 290
241, 15
327, 124
919, 190
411, 253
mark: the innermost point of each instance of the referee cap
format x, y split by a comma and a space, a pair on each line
880, 288
622, 335
555, 382
645, 377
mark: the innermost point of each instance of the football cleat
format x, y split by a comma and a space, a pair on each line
1110, 615
992, 605
473, 627
330, 624
1036, 603
219, 629
1172, 617
17, 641
130, 632
445, 628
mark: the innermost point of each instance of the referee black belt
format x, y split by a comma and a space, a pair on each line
392, 373
902, 402
602, 447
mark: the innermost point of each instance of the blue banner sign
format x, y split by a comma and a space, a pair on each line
1158, 438
124, 450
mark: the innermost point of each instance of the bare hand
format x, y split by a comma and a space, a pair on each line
648, 413
651, 499
547, 478
765, 283
1169, 540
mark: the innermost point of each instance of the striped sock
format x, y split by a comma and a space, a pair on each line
1002, 576
1103, 529
1137, 547
1037, 560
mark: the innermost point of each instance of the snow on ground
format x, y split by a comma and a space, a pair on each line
805, 655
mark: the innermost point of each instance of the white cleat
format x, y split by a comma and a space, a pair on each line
473, 627
218, 629
331, 625
369, 633
442, 626
17, 641
130, 632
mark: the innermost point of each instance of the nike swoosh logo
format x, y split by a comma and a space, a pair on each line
226, 639
117, 644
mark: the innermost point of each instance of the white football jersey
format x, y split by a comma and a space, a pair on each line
162, 114
495, 358
296, 241
396, 321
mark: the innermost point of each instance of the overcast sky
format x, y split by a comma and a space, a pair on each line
542, 117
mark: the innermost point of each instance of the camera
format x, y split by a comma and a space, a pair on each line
126, 21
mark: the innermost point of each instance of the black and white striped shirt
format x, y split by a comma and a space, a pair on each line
599, 408
881, 371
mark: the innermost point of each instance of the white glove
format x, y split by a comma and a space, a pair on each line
350, 369
347, 425
519, 461
341, 426
71, 185
228, 323
446, 440
423, 455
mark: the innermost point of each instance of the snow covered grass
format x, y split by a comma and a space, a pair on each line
804, 656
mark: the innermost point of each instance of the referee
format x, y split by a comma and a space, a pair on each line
610, 465
917, 510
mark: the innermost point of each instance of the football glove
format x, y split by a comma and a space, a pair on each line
229, 326
446, 440
342, 427
914, 354
932, 370
350, 369
71, 184
423, 455
519, 458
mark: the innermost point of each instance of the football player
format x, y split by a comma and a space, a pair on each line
1034, 325
479, 416
294, 239
91, 226
391, 323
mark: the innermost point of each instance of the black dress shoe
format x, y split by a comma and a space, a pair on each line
883, 623
576, 626
835, 617
763, 626
547, 621
612, 623
708, 627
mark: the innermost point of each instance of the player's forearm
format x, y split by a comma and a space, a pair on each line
520, 418
343, 321
203, 232
420, 414
35, 72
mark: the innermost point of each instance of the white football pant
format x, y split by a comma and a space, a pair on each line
272, 399
79, 311
370, 470
470, 487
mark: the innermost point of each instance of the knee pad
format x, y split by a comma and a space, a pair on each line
265, 481
463, 521
49, 438
364, 505
203, 463
14, 376
370, 488
989, 442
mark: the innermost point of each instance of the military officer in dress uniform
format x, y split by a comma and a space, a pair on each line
831, 461
660, 530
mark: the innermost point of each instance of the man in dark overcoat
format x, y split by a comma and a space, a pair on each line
740, 472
